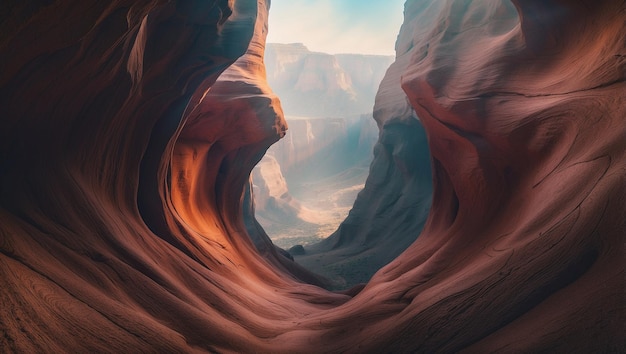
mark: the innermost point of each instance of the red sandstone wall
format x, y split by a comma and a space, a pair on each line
108, 241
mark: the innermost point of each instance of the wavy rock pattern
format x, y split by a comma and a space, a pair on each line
108, 241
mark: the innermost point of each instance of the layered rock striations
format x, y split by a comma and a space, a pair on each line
523, 106
114, 236
121, 208
223, 138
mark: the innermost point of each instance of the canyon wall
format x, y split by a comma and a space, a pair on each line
121, 221
273, 202
523, 106
321, 147
224, 136
313, 84
125, 204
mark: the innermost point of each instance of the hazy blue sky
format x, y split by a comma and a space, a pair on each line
337, 26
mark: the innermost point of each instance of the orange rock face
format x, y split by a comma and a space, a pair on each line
124, 161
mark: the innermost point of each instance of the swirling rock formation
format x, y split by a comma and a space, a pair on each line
526, 131
115, 237
225, 135
103, 246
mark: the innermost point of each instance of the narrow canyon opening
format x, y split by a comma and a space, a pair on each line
308, 181
129, 131
305, 188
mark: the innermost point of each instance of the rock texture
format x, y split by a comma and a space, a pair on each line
523, 108
313, 84
224, 136
103, 244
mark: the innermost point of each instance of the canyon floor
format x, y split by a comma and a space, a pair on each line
325, 204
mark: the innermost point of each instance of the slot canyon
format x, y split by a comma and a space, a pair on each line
492, 218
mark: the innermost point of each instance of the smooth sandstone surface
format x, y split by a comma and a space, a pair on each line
122, 223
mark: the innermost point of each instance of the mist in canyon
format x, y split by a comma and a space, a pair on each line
307, 182
491, 215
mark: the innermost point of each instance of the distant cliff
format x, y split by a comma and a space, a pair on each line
305, 184
318, 148
328, 102
390, 212
313, 84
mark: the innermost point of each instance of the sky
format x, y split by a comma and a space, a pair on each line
337, 26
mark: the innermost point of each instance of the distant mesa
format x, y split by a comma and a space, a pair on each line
329, 153
391, 210
316, 170
313, 84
